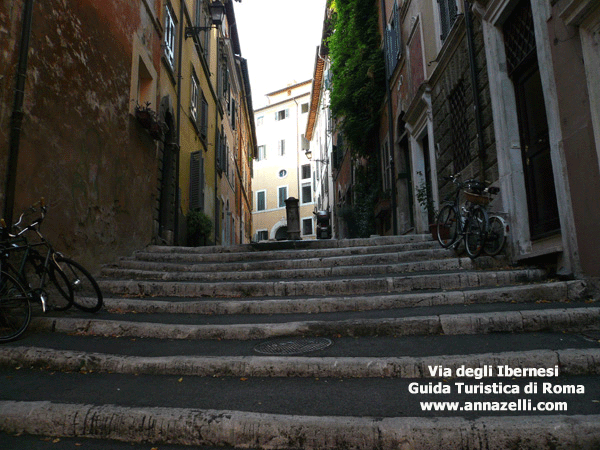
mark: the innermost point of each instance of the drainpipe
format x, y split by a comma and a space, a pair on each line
17, 114
178, 118
390, 123
476, 98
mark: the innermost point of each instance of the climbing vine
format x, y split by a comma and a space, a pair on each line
358, 72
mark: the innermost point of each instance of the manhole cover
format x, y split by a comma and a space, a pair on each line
293, 346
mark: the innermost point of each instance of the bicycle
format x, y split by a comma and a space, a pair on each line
50, 275
470, 222
15, 309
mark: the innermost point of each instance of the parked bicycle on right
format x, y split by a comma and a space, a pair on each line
471, 221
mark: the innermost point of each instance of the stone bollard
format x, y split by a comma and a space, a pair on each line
293, 218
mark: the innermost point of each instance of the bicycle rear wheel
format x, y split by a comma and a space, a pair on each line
447, 225
495, 238
15, 309
475, 232
87, 295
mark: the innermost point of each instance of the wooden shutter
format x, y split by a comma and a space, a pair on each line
196, 181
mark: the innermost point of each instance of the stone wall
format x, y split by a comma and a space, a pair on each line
80, 147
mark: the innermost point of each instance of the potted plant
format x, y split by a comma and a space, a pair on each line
199, 227
149, 120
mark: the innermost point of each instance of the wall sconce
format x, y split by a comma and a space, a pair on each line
309, 156
217, 13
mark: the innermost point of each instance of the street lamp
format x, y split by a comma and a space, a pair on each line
309, 156
217, 13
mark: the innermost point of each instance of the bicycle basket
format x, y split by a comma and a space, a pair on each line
477, 199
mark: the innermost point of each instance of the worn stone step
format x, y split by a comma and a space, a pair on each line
196, 426
196, 274
328, 286
566, 319
295, 263
553, 291
195, 255
564, 361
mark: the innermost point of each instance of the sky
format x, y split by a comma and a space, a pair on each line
279, 38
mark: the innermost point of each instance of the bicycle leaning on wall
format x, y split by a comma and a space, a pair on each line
44, 274
471, 221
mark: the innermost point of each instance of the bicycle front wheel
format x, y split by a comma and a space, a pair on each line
475, 232
56, 287
447, 225
495, 236
87, 295
15, 309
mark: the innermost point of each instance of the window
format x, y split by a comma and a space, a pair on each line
262, 235
304, 108
448, 13
281, 147
260, 120
282, 191
196, 181
261, 200
170, 33
262, 152
394, 41
282, 173
282, 115
194, 97
307, 226
306, 193
305, 171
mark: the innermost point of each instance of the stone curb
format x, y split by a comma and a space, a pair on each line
341, 286
553, 292
570, 362
572, 319
272, 431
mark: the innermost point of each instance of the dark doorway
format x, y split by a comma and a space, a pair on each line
522, 64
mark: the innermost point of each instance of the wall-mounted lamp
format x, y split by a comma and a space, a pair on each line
309, 156
217, 13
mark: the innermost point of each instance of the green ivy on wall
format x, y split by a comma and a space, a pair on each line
358, 73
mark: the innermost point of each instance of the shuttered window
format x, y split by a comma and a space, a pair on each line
448, 13
196, 181
394, 41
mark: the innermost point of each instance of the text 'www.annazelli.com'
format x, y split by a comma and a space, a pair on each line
518, 405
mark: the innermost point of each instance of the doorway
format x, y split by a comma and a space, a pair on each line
523, 69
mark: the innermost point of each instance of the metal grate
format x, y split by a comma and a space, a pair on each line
519, 36
292, 346
460, 127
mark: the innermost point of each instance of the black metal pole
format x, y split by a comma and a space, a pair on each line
17, 114
474, 79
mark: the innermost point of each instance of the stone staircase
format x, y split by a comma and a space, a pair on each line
315, 345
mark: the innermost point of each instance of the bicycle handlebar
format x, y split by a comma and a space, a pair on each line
32, 225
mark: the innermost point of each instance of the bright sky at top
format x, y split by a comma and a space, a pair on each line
279, 39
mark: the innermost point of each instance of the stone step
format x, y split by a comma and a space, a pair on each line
249, 253
296, 263
328, 286
533, 292
564, 361
524, 320
197, 426
194, 273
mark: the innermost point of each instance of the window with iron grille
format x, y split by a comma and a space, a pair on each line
394, 41
460, 127
448, 13
519, 36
